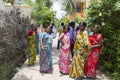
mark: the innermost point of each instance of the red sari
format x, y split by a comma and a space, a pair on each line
92, 59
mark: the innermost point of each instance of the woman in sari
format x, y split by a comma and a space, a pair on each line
37, 41
81, 48
96, 41
45, 54
31, 46
64, 56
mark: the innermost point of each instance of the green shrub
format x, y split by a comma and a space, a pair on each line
42, 12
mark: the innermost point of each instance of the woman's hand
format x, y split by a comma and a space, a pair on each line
91, 47
61, 42
101, 43
82, 53
42, 47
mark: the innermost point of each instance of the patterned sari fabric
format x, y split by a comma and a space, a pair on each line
92, 60
45, 54
64, 56
81, 48
37, 43
31, 45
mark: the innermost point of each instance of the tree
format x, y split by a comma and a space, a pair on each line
42, 12
15, 3
9, 1
70, 7
106, 14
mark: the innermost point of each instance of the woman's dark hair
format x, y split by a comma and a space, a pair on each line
62, 24
77, 28
72, 24
45, 25
96, 25
66, 26
84, 24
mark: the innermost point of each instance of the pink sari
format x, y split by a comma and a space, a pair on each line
92, 59
64, 56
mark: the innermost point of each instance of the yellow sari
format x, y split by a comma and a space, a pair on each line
32, 48
81, 48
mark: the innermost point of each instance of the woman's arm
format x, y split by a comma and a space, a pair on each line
95, 46
60, 38
61, 41
100, 44
41, 40
41, 44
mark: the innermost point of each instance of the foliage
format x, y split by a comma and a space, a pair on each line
69, 6
106, 14
78, 19
9, 1
42, 13
65, 19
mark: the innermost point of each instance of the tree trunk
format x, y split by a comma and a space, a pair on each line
74, 11
73, 8
16, 3
2, 5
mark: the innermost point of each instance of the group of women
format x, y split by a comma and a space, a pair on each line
86, 50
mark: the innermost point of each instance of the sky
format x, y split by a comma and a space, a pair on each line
57, 5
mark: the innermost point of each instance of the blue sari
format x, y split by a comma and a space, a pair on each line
45, 54
37, 43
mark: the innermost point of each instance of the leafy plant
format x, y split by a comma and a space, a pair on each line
9, 1
65, 20
42, 12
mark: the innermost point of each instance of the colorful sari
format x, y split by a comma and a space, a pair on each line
64, 56
45, 54
31, 46
81, 48
37, 43
92, 59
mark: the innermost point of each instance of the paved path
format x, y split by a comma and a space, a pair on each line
32, 73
